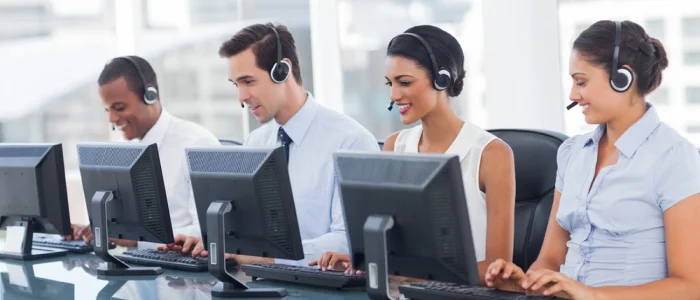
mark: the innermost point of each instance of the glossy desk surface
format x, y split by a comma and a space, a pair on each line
73, 277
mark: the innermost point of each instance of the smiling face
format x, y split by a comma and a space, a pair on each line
411, 88
592, 91
126, 109
255, 88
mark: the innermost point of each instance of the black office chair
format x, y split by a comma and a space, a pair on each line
535, 153
230, 142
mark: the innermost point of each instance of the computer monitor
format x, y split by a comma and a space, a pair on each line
33, 198
245, 196
125, 197
406, 214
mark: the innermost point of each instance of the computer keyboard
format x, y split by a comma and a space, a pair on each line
304, 275
449, 291
175, 260
59, 243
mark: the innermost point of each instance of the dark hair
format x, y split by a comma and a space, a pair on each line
644, 54
264, 43
120, 67
446, 49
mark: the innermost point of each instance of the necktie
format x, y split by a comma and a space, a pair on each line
286, 140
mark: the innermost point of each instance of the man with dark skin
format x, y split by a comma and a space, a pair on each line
128, 88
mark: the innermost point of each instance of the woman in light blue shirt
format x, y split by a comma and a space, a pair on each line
626, 208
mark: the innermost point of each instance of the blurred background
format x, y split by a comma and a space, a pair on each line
51, 52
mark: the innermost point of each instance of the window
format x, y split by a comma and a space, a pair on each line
692, 95
691, 58
655, 28
691, 27
659, 96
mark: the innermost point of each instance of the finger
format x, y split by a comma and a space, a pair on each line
85, 230
553, 289
531, 277
198, 249
333, 261
179, 240
187, 245
493, 270
507, 271
497, 266
543, 281
313, 263
322, 261
204, 253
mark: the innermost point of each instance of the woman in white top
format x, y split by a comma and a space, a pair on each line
421, 84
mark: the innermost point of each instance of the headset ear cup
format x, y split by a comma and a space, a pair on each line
443, 79
622, 79
151, 95
280, 72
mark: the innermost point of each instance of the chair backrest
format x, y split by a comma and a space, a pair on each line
230, 142
535, 153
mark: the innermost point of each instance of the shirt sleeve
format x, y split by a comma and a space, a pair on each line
563, 155
336, 239
677, 175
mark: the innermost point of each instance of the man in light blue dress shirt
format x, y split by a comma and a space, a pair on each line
292, 118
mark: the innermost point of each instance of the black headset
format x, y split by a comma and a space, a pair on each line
150, 92
621, 77
441, 76
281, 69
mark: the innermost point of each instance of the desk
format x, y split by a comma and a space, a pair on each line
73, 277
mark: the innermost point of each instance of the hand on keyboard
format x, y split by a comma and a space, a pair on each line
182, 243
547, 282
194, 245
334, 261
80, 232
505, 276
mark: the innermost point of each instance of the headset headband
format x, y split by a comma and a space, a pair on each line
138, 70
279, 44
616, 52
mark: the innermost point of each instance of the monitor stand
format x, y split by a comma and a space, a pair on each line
100, 231
375, 230
18, 243
229, 287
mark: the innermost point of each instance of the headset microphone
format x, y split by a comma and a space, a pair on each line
113, 128
391, 105
242, 105
570, 106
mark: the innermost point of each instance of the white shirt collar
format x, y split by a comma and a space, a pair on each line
157, 132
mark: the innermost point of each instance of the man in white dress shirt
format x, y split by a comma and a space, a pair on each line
271, 87
129, 90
